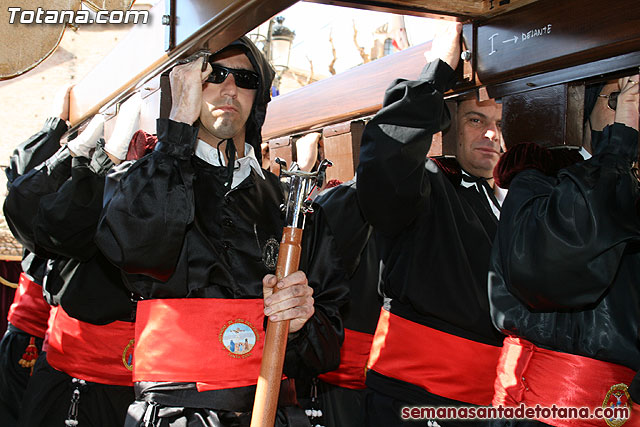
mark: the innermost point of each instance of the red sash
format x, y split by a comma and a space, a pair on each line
216, 343
354, 354
29, 311
98, 353
441, 363
536, 376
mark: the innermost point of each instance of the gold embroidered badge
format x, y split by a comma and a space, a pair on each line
127, 355
617, 397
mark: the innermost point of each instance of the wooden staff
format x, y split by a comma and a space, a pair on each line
298, 205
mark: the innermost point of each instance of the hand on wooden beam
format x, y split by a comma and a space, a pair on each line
307, 151
446, 45
60, 107
627, 108
186, 90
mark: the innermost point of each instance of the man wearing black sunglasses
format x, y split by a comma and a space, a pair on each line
195, 226
221, 101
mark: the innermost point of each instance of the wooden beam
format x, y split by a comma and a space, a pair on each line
140, 56
538, 116
550, 35
461, 9
137, 55
354, 93
618, 64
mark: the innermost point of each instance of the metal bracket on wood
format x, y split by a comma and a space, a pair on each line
169, 21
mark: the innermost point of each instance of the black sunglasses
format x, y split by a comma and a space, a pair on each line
612, 101
245, 79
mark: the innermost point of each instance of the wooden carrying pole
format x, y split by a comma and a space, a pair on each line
297, 205
268, 388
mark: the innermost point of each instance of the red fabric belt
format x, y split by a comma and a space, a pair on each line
536, 376
98, 353
354, 354
29, 311
441, 363
216, 343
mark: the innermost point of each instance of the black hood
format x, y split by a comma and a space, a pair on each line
263, 94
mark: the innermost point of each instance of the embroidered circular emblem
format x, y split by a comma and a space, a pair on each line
270, 253
238, 337
617, 397
127, 355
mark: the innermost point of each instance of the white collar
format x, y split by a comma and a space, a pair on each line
499, 193
242, 167
584, 153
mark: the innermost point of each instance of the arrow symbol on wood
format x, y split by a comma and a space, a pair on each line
514, 40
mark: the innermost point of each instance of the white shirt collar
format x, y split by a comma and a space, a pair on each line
584, 153
242, 167
499, 193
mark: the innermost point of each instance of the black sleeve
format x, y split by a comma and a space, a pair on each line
357, 253
315, 348
31, 153
143, 225
67, 219
36, 149
562, 237
392, 182
25, 193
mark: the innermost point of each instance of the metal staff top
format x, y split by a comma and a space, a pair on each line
301, 188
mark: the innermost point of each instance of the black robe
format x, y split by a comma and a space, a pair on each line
177, 231
54, 209
13, 377
56, 217
339, 212
564, 270
434, 235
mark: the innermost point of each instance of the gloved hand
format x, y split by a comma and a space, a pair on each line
85, 143
127, 123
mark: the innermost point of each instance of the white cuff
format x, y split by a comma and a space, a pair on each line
127, 123
86, 141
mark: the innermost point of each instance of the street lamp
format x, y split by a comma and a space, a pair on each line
276, 46
281, 41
